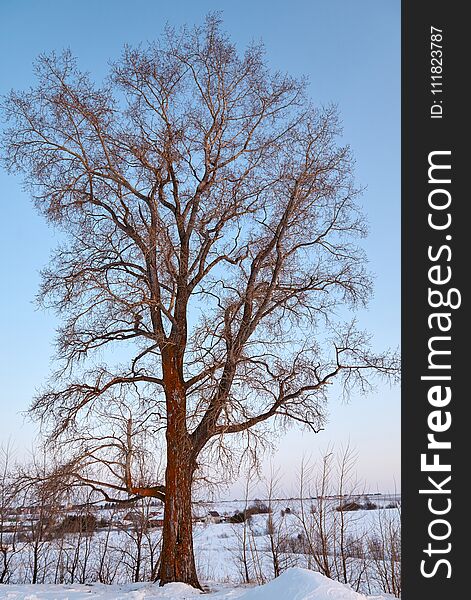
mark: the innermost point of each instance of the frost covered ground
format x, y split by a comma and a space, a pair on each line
293, 584
227, 555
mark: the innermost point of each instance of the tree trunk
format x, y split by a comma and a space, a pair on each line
177, 558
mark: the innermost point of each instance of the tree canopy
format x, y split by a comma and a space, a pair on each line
210, 226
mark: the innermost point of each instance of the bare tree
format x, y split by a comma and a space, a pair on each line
8, 514
209, 233
277, 528
385, 549
43, 498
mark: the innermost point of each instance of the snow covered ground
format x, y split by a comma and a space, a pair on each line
293, 584
227, 554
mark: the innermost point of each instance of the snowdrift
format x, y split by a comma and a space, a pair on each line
293, 584
301, 584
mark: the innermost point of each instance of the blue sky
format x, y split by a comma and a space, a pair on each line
351, 53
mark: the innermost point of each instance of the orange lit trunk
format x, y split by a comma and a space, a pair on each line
177, 558
177, 562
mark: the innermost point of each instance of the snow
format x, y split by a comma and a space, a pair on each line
97, 591
221, 564
301, 584
293, 584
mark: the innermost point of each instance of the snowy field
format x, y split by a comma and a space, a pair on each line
293, 584
231, 557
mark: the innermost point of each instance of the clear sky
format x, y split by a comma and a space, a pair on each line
351, 53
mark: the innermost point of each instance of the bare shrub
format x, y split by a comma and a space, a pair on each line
385, 550
10, 539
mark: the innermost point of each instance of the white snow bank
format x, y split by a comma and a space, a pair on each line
98, 591
302, 584
293, 584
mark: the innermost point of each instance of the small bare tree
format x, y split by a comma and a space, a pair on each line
139, 549
273, 530
43, 499
330, 538
9, 518
277, 528
384, 546
209, 225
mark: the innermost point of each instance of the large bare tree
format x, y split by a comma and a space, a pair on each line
209, 239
